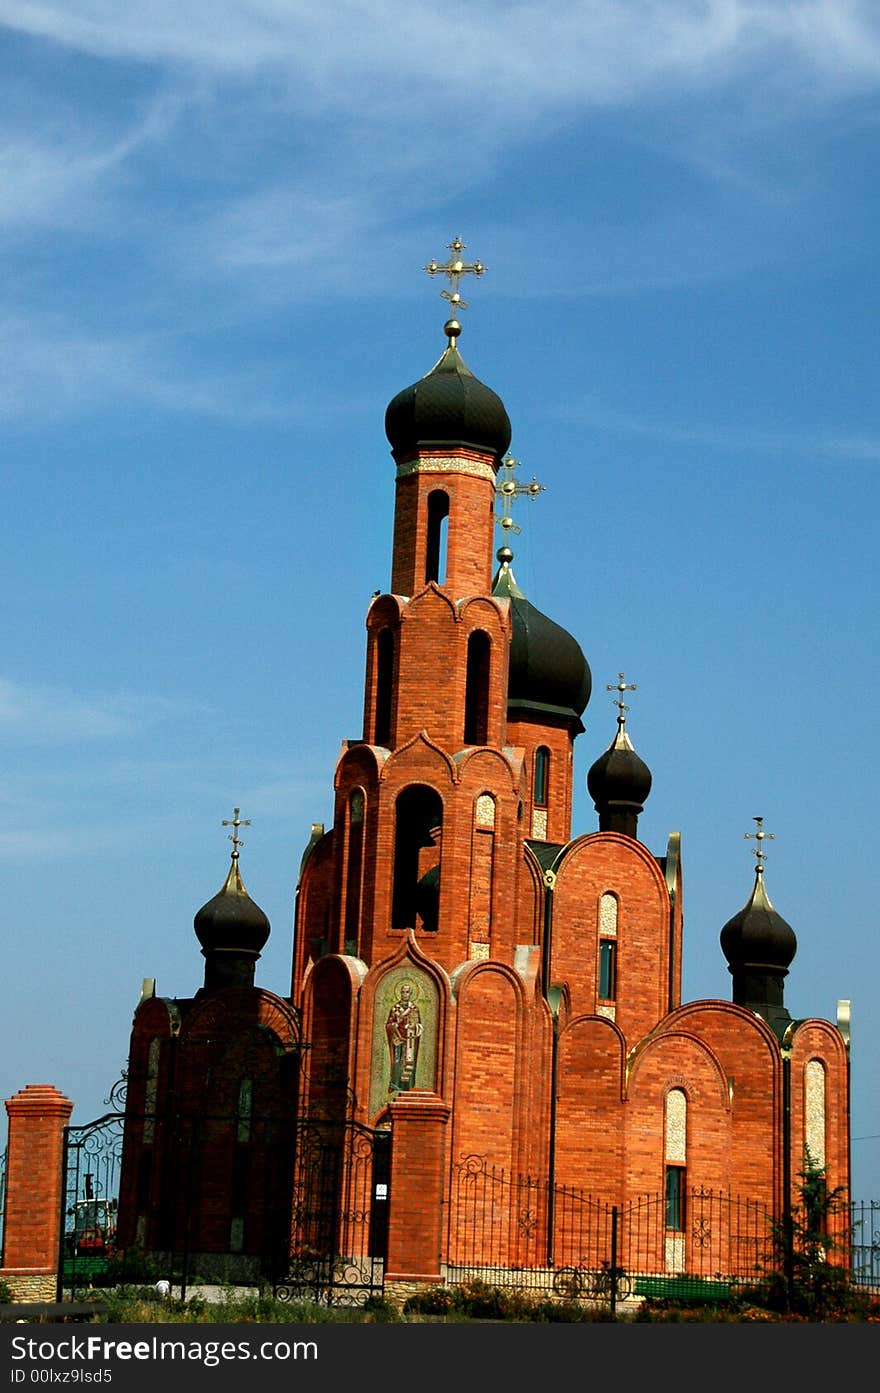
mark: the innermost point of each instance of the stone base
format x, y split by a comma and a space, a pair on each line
396, 1290
30, 1286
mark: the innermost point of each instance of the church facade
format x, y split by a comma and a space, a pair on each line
482, 1003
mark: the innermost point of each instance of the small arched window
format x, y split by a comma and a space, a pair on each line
437, 538
542, 776
476, 697
384, 686
354, 865
607, 985
675, 1147
417, 854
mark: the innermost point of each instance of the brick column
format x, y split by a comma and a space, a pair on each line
37, 1118
416, 1192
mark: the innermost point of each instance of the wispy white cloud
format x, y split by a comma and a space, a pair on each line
547, 50
59, 168
51, 368
42, 713
837, 447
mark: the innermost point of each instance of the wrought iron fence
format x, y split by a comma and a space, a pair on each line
520, 1231
865, 1243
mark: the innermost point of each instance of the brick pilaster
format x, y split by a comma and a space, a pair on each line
37, 1116
416, 1210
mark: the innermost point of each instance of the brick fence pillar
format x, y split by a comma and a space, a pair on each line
416, 1209
37, 1116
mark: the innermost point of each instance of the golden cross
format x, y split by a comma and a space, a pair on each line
509, 490
235, 822
621, 685
759, 836
455, 268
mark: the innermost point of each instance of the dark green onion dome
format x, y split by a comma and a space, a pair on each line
619, 783
446, 407
232, 930
759, 946
548, 675
758, 936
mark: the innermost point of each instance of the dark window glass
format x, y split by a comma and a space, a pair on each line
675, 1197
607, 969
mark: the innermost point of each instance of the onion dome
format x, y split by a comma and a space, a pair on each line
232, 930
548, 676
759, 946
619, 781
448, 407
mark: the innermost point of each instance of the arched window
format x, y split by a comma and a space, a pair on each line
476, 697
384, 682
675, 1137
607, 981
354, 864
417, 836
241, 1164
437, 538
542, 776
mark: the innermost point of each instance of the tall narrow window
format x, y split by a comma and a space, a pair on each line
607, 969
675, 1198
353, 870
384, 681
476, 697
675, 1148
437, 539
542, 776
417, 856
607, 976
245, 1110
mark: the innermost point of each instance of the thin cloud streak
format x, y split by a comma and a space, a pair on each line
840, 447
552, 53
51, 714
49, 371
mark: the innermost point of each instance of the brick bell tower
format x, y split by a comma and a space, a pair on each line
472, 702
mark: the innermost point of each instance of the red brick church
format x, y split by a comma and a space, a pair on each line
484, 1061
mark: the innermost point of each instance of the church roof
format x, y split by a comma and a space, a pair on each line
448, 407
548, 673
758, 936
231, 922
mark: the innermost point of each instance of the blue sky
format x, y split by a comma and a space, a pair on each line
214, 219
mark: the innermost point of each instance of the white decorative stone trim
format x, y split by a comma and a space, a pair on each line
676, 1127
609, 1011
479, 952
446, 464
484, 812
814, 1108
539, 824
675, 1252
608, 915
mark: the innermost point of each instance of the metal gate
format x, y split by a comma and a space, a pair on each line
89, 1202
2, 1201
339, 1220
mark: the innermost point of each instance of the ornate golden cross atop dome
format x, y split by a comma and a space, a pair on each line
621, 686
759, 837
455, 268
235, 822
508, 490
